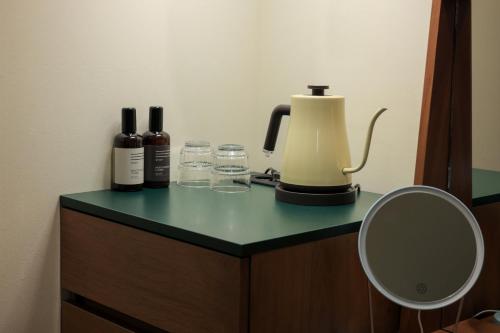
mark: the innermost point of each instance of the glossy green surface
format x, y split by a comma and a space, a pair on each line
239, 224
244, 223
485, 187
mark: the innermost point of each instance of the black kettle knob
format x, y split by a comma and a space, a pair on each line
318, 90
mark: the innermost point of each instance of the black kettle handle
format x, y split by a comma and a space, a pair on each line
274, 126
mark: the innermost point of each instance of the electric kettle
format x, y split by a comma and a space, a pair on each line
316, 166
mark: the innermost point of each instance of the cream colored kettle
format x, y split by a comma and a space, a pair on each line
317, 157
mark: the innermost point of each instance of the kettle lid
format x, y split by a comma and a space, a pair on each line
318, 90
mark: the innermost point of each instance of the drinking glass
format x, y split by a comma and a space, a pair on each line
230, 172
195, 164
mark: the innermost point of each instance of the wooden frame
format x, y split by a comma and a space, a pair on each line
444, 153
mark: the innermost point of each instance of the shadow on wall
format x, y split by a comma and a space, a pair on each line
44, 304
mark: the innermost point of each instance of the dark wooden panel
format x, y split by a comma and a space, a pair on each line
461, 106
76, 320
431, 320
444, 153
166, 283
315, 287
486, 292
434, 135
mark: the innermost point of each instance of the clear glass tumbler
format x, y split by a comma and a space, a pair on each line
230, 172
195, 163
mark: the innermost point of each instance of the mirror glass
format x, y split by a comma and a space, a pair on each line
421, 247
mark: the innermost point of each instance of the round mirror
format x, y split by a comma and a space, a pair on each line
421, 247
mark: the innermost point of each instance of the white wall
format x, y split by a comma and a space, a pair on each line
371, 52
66, 69
485, 84
68, 66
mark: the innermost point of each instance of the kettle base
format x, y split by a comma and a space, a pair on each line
317, 199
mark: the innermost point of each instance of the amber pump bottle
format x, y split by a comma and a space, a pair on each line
128, 156
156, 151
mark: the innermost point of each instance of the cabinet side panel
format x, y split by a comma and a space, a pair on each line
315, 287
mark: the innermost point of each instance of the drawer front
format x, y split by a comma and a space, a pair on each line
169, 284
76, 320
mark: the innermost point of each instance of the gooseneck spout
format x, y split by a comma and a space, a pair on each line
367, 144
274, 126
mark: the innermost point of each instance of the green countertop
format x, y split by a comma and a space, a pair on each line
240, 224
485, 187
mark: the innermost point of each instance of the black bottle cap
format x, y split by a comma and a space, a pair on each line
318, 90
128, 120
156, 118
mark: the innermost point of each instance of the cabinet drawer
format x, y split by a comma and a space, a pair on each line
169, 284
76, 320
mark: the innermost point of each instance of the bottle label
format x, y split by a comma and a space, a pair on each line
157, 163
128, 166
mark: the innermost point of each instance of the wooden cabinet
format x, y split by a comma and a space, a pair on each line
173, 286
166, 283
145, 263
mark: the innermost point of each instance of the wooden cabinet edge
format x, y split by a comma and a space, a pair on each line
77, 320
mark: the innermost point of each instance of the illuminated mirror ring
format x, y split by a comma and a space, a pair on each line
421, 247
